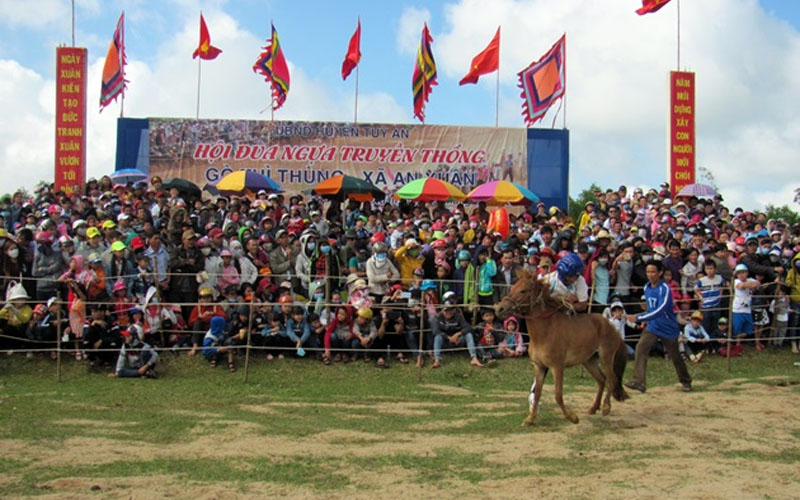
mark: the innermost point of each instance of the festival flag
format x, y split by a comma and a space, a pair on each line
205, 50
485, 62
353, 55
272, 65
544, 82
114, 68
650, 6
424, 74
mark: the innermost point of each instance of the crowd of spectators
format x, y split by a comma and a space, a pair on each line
126, 271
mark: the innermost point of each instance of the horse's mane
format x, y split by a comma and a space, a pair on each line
542, 291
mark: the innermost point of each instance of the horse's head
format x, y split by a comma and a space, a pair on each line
520, 297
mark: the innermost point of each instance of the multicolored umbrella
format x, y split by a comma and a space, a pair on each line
126, 175
430, 189
501, 193
699, 190
340, 187
247, 182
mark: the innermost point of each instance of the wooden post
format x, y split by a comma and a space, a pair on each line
730, 321
421, 350
247, 347
58, 338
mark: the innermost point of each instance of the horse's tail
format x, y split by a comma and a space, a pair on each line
620, 360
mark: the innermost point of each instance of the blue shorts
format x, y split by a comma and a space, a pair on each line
743, 323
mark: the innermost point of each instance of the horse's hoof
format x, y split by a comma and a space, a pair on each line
572, 417
592, 410
606, 410
528, 422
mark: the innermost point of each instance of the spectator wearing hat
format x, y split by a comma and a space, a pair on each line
282, 258
119, 269
48, 265
136, 358
451, 331
757, 262
695, 340
408, 258
380, 271
201, 315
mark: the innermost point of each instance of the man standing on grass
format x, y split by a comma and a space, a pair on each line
661, 325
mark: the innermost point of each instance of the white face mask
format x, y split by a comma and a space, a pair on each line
205, 251
13, 253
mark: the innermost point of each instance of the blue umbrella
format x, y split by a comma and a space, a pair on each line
246, 182
126, 175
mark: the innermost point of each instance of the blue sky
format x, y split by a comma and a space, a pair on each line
617, 68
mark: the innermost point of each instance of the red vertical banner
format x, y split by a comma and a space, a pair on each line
681, 130
70, 172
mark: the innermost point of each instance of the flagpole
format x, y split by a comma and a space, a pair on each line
122, 68
497, 97
355, 111
197, 112
73, 23
564, 116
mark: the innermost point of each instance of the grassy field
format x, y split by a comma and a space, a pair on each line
299, 429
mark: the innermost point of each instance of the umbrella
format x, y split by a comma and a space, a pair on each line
211, 188
340, 187
430, 189
183, 186
246, 182
126, 175
699, 190
502, 192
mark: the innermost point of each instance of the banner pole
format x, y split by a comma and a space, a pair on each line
197, 111
679, 35
58, 338
355, 111
73, 23
731, 292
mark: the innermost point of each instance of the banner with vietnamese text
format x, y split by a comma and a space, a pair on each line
681, 130
70, 165
299, 155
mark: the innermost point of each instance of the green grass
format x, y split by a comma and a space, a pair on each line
192, 399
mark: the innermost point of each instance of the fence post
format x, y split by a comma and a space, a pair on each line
730, 321
421, 345
58, 338
247, 347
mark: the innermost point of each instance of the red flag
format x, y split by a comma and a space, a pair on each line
485, 62
353, 53
650, 6
272, 64
114, 82
205, 50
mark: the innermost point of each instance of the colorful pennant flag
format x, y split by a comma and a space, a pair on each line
650, 6
353, 55
114, 82
424, 74
272, 65
205, 50
485, 62
544, 82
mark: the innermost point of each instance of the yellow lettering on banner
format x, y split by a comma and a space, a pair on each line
69, 102
69, 146
71, 73
683, 149
69, 175
70, 88
683, 82
70, 59
683, 176
681, 122
682, 162
682, 109
682, 136
682, 96
69, 131
69, 117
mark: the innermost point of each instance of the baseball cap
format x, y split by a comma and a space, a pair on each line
92, 232
117, 246
109, 224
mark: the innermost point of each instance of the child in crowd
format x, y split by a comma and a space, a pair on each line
743, 288
760, 303
780, 315
512, 345
298, 331
136, 358
693, 341
708, 292
365, 333
272, 335
317, 330
489, 336
214, 343
339, 335
619, 321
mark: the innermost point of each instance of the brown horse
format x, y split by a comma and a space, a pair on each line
559, 341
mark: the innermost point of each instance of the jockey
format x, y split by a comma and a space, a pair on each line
566, 282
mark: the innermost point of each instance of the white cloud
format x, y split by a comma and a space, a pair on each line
34, 13
409, 28
168, 87
748, 70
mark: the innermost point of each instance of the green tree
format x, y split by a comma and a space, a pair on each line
576, 204
782, 212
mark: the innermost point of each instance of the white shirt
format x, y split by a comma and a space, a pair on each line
559, 289
742, 298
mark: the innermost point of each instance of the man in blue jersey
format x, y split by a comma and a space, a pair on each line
662, 325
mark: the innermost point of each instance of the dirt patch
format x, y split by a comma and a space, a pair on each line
706, 444
448, 390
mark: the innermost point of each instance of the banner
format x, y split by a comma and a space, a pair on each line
681, 130
70, 172
299, 155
